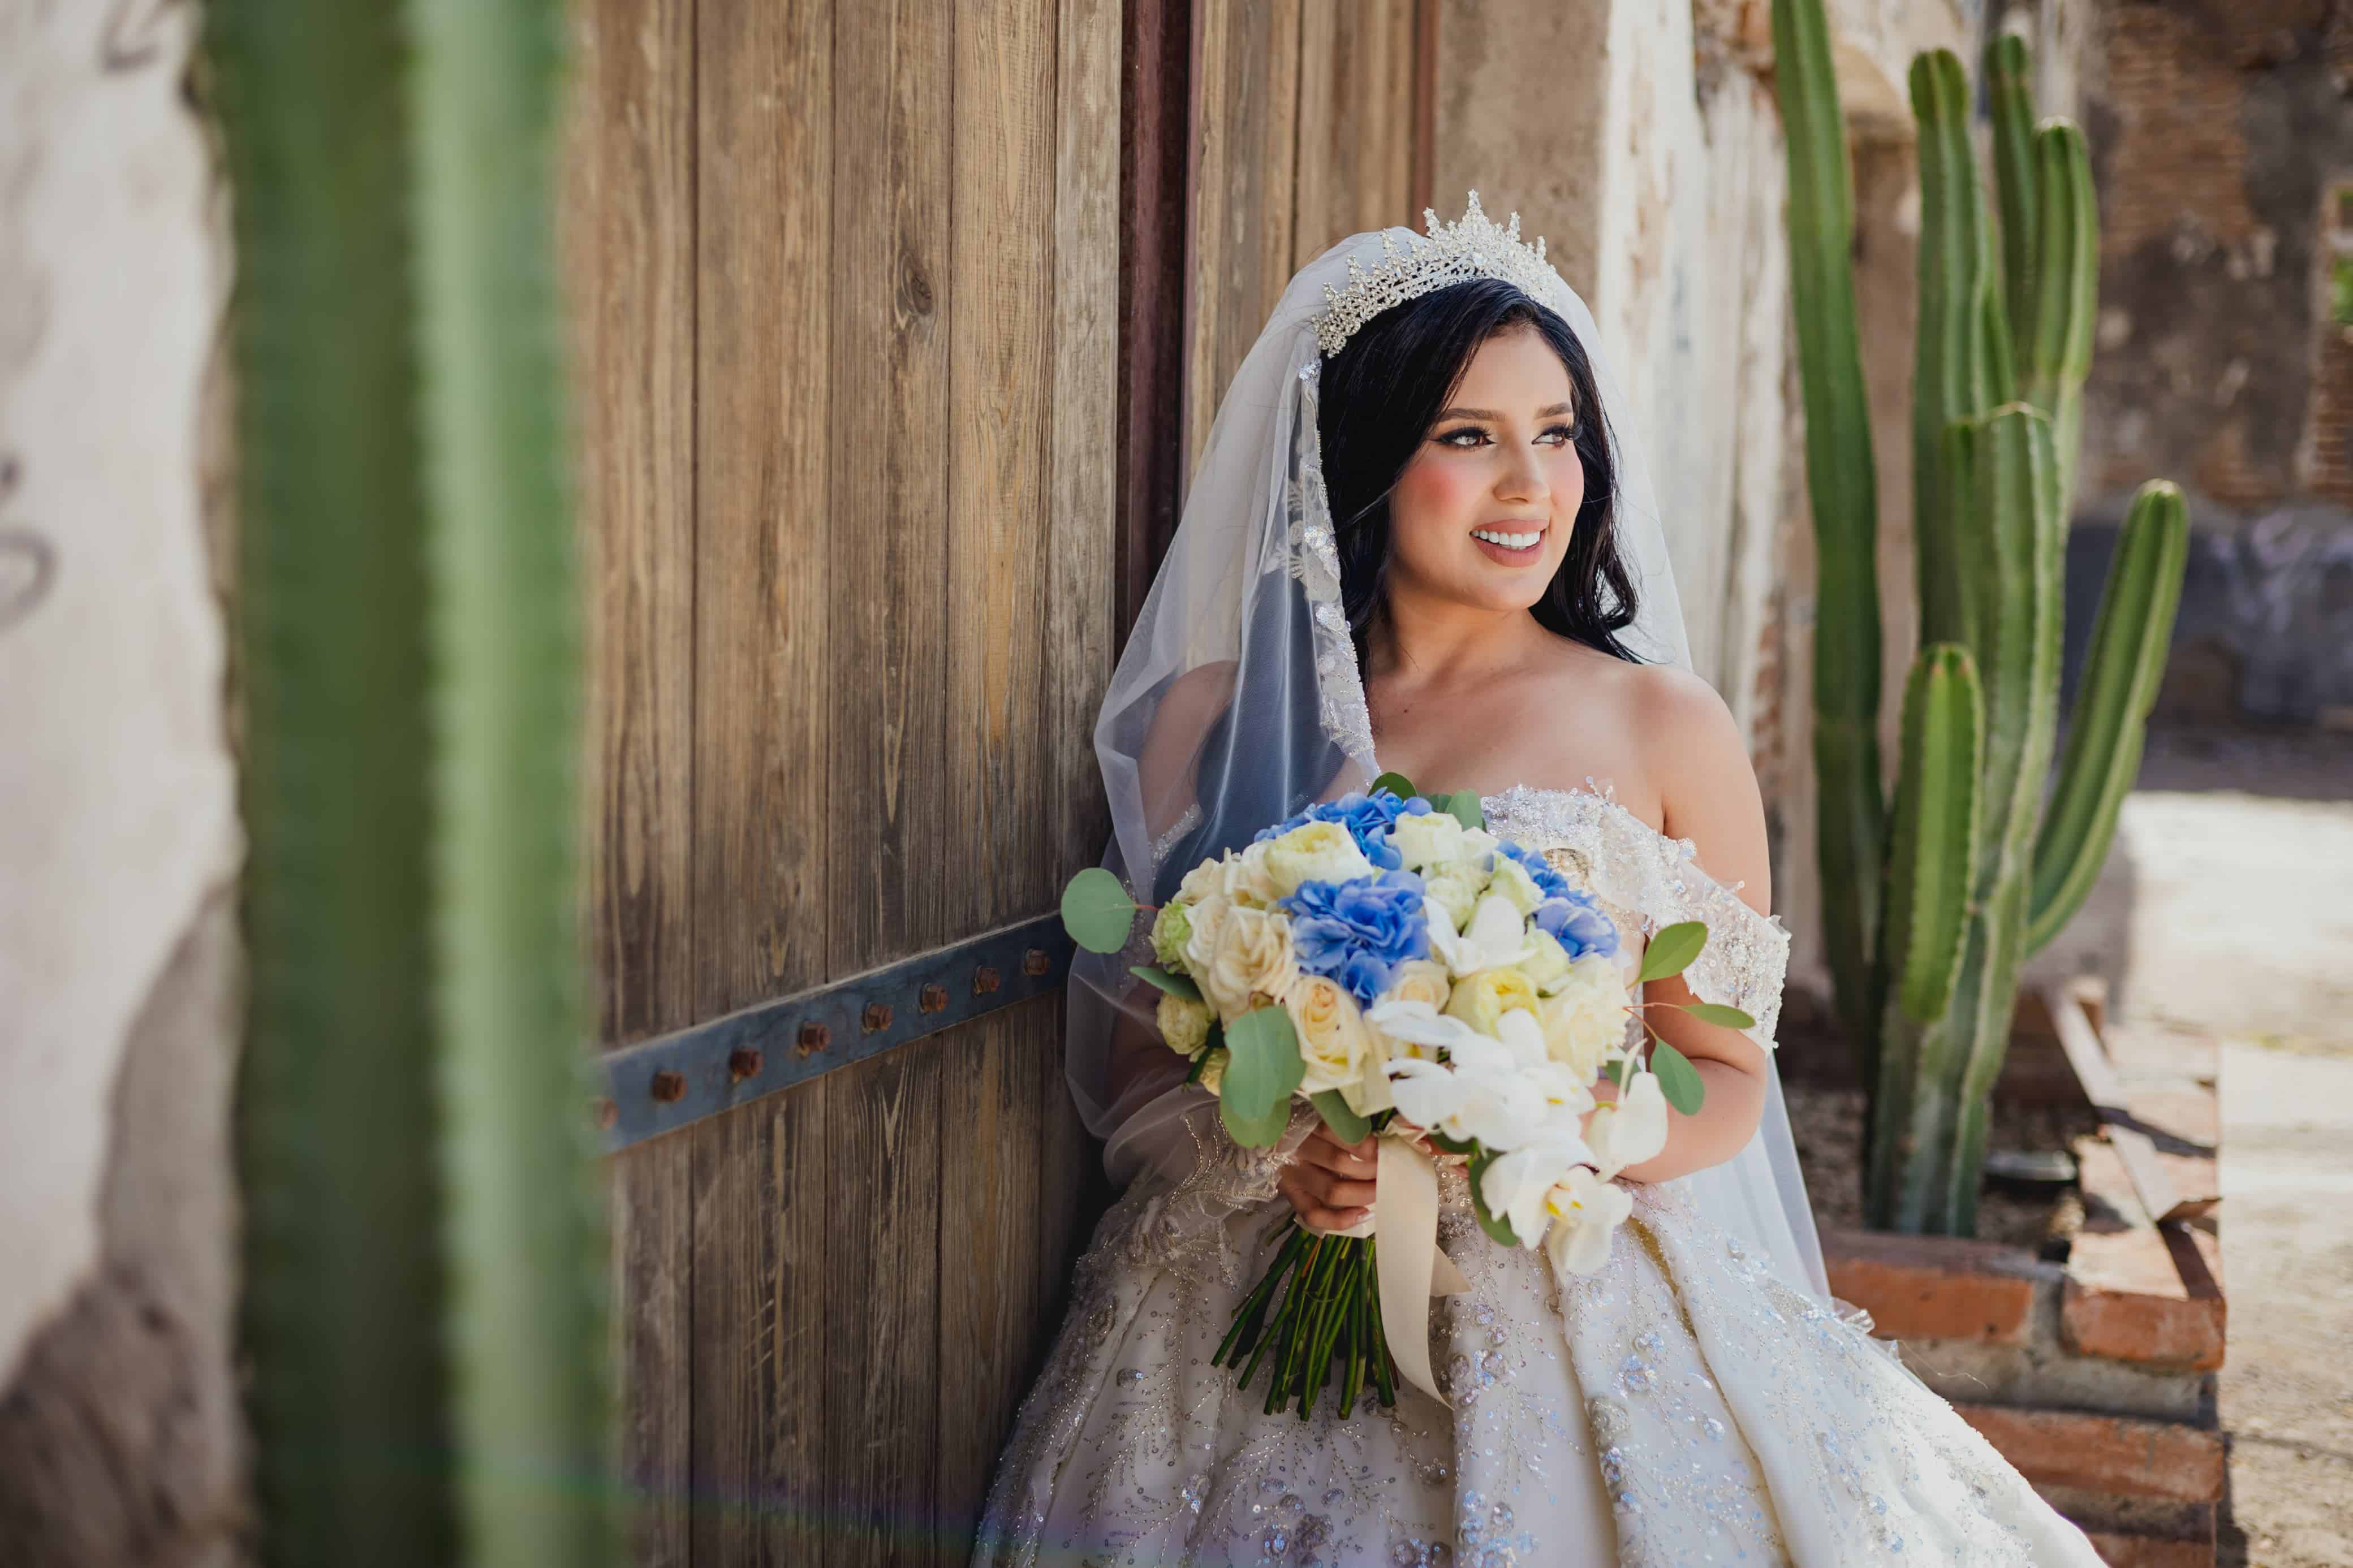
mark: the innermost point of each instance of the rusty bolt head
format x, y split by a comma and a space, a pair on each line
743, 1062
1035, 961
877, 1017
932, 997
984, 980
608, 1113
815, 1037
668, 1086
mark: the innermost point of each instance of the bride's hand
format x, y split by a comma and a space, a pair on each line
1329, 1183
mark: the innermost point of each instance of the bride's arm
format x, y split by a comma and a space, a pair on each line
1709, 789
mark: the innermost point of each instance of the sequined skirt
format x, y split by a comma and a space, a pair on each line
1683, 1405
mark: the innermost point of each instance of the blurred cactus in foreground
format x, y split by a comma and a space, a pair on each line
1930, 916
423, 1315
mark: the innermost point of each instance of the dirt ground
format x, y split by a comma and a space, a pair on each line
2225, 914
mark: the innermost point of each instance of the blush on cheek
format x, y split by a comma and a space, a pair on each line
1435, 497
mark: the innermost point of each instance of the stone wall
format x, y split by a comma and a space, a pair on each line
2221, 137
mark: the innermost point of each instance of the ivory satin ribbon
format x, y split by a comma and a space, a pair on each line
1409, 1266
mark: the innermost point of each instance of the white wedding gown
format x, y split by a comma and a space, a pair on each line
1684, 1406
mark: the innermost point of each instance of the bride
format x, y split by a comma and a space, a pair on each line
1421, 540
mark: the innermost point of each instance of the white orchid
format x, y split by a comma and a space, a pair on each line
1517, 1186
1495, 934
1632, 1129
1586, 1209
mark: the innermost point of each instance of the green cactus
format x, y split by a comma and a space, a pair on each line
1927, 962
422, 1241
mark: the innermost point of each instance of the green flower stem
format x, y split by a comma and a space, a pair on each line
1243, 1334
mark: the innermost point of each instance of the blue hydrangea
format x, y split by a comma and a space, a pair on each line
1550, 882
1365, 817
1357, 932
1575, 922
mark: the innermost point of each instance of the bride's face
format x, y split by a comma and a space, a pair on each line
1482, 511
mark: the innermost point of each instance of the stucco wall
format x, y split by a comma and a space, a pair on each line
118, 840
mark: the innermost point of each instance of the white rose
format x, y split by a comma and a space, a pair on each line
1451, 892
1314, 852
1184, 1023
1238, 879
1204, 921
1512, 879
1332, 1038
1253, 956
1547, 967
1427, 841
1585, 1020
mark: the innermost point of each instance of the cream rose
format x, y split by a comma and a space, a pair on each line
1184, 1023
1454, 891
1427, 841
1419, 980
1252, 957
1333, 1036
1238, 879
1314, 852
1480, 1000
1203, 920
1587, 1020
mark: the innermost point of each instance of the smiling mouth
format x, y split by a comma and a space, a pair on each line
1504, 539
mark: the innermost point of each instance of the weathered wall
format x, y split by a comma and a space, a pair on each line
118, 844
2219, 130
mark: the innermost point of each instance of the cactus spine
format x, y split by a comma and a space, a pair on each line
422, 1249
1975, 878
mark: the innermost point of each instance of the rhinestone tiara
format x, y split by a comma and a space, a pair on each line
1473, 246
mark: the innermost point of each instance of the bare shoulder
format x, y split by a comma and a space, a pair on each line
1695, 758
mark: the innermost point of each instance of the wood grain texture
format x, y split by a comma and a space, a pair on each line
628, 248
1357, 77
1001, 327
1157, 55
765, 526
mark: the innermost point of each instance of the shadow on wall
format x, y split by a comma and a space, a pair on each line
2265, 631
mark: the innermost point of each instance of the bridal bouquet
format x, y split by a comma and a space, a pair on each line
1406, 971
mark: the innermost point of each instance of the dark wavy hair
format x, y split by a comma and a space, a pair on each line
1381, 393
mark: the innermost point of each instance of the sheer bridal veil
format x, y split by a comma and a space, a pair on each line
1238, 698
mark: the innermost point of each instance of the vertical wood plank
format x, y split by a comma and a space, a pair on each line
1155, 101
993, 1128
627, 245
1001, 330
893, 84
1084, 550
1355, 122
765, 118
1003, 752
1246, 127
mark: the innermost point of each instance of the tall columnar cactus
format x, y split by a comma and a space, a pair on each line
1975, 874
424, 1248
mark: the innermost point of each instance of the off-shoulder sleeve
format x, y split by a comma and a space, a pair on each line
1627, 863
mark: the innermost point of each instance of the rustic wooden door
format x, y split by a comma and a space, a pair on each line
845, 276
849, 295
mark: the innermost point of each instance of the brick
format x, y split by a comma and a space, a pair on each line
2135, 1291
2147, 1552
1936, 1286
2120, 1455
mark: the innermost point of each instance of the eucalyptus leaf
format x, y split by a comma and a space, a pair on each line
1097, 911
1167, 980
1672, 949
1397, 785
1717, 1013
1263, 1132
1265, 1066
1346, 1124
1678, 1079
1495, 1225
1463, 806
1451, 1145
